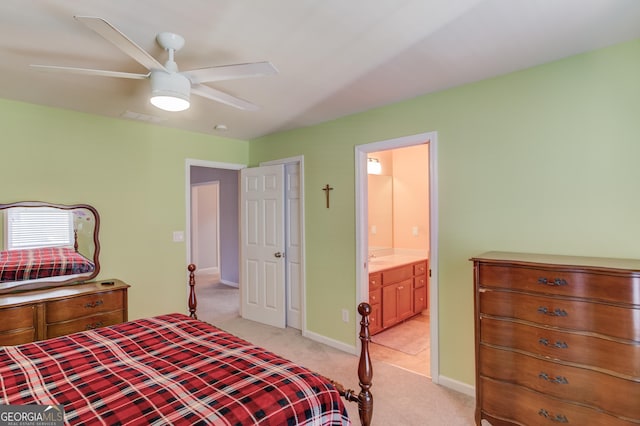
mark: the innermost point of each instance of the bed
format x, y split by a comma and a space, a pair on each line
175, 369
42, 262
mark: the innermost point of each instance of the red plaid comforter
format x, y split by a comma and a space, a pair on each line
44, 262
166, 370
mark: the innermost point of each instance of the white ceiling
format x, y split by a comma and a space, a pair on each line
335, 57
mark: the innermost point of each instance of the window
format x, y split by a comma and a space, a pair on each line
29, 227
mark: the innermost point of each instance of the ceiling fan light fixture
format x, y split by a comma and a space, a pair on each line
170, 91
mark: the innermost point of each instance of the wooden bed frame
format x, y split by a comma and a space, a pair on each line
365, 370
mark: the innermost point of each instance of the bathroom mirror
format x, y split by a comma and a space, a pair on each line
380, 189
45, 245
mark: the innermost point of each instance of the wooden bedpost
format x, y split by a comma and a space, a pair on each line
365, 369
365, 372
193, 303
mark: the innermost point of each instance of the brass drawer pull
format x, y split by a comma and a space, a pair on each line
555, 313
94, 304
558, 418
556, 282
94, 325
558, 379
558, 344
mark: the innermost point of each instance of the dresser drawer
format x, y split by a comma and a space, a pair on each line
613, 394
11, 338
85, 323
420, 268
512, 402
375, 319
420, 281
75, 307
375, 296
375, 281
398, 274
609, 355
601, 318
17, 318
420, 299
562, 281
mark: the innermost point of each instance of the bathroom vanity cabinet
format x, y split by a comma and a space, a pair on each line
397, 293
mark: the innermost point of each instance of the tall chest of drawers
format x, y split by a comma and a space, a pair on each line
42, 314
557, 340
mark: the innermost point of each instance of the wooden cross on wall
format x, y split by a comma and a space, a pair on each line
326, 190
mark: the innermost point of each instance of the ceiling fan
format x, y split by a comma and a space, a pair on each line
170, 88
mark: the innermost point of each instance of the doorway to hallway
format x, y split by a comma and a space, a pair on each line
198, 171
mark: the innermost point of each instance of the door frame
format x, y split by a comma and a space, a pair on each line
361, 192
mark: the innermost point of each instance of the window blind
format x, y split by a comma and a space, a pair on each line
29, 227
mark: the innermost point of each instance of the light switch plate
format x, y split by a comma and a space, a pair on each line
178, 236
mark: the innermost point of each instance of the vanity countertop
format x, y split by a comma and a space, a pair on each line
385, 262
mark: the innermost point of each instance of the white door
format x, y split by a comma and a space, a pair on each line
262, 266
293, 260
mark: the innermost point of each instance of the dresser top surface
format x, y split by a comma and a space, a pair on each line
559, 260
32, 296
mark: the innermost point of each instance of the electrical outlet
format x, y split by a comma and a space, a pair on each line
345, 315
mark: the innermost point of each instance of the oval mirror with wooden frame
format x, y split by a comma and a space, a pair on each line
46, 245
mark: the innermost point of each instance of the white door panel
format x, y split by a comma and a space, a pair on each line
262, 273
293, 246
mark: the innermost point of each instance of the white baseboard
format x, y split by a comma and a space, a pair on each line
330, 342
457, 386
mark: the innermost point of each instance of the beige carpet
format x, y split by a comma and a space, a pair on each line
401, 398
217, 302
410, 337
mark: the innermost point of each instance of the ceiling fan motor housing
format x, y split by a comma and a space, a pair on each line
170, 91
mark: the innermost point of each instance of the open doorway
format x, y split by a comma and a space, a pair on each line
217, 300
205, 229
410, 242
213, 237
398, 253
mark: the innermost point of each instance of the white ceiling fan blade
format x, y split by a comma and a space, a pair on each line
121, 41
225, 98
231, 72
88, 71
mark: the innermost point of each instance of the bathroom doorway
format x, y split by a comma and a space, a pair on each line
396, 230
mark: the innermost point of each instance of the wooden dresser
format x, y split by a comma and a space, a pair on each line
557, 340
396, 294
42, 314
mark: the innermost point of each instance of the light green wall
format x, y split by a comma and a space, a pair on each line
542, 160
133, 173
